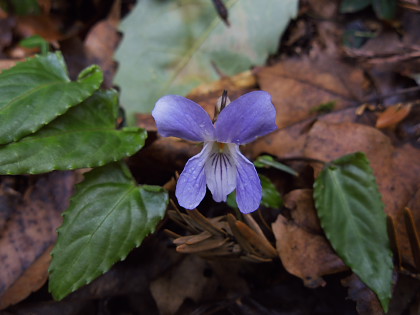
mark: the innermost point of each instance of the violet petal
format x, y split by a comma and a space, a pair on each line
191, 186
177, 116
220, 171
248, 185
250, 116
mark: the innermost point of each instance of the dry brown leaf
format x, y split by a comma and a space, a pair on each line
101, 42
147, 122
366, 301
250, 240
393, 115
6, 33
301, 204
43, 25
412, 227
242, 81
7, 63
31, 280
324, 8
185, 280
303, 250
283, 143
29, 233
3, 14
45, 5
413, 236
396, 169
405, 298
414, 203
298, 86
9, 198
220, 236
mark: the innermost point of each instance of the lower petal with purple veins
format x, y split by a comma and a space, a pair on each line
191, 186
248, 186
220, 170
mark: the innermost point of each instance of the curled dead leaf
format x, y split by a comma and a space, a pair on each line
393, 115
254, 243
220, 236
303, 250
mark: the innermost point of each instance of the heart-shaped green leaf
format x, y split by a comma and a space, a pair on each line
84, 137
36, 91
108, 216
352, 215
170, 47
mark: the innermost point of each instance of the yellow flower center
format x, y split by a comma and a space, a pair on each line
221, 146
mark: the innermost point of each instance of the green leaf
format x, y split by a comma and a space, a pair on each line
35, 41
385, 9
271, 198
108, 216
352, 215
267, 161
36, 91
170, 47
21, 7
231, 200
84, 137
351, 6
324, 107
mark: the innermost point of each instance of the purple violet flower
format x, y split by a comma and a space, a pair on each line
220, 164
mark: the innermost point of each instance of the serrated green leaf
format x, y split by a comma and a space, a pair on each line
108, 216
83, 137
271, 198
36, 91
170, 47
352, 215
268, 161
385, 9
350, 6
